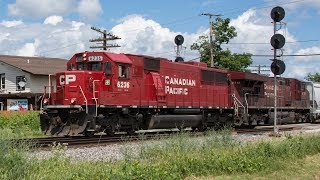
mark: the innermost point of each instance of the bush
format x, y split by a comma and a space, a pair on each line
13, 164
26, 123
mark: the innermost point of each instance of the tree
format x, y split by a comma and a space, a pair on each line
313, 77
222, 58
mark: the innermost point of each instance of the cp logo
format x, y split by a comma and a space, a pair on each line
66, 79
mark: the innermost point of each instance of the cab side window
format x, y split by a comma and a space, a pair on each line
123, 71
108, 68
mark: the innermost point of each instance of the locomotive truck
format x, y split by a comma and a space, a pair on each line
108, 92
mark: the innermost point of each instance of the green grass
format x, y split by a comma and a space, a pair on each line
22, 124
215, 156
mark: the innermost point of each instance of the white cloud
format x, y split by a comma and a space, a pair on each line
89, 9
62, 40
28, 49
254, 27
311, 50
40, 8
251, 27
11, 23
301, 71
53, 20
76, 25
141, 35
145, 36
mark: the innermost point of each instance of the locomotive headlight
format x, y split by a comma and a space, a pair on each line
84, 56
45, 101
73, 101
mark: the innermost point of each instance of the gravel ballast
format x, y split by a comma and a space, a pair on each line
118, 151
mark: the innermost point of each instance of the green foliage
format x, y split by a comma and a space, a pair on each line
24, 124
177, 158
222, 58
313, 77
13, 164
234, 62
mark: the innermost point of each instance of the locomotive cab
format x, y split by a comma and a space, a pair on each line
89, 77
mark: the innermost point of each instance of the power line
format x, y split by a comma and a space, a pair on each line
105, 37
298, 55
264, 7
267, 55
256, 43
177, 21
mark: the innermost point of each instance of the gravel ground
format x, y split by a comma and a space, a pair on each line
119, 151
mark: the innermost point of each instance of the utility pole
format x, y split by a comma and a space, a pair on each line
261, 69
211, 43
105, 37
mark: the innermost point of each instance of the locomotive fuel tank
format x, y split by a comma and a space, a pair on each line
174, 121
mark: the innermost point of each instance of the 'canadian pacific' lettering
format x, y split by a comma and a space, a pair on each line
178, 81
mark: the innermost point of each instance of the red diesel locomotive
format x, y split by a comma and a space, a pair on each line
108, 92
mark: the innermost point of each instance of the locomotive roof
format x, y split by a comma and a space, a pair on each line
120, 58
247, 76
35, 65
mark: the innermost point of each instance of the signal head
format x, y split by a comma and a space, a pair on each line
277, 13
179, 40
278, 67
179, 59
277, 41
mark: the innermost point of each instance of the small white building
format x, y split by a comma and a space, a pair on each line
22, 80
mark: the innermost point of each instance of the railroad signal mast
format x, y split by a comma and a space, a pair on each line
104, 39
178, 40
278, 67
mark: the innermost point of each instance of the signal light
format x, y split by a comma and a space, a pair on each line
277, 14
179, 40
277, 41
278, 67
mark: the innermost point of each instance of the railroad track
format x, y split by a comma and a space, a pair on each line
103, 139
96, 140
263, 130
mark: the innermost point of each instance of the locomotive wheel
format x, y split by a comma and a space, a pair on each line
130, 132
89, 133
110, 132
202, 127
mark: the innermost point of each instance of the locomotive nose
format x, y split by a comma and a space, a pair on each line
70, 85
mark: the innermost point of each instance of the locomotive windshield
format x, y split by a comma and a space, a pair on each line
95, 66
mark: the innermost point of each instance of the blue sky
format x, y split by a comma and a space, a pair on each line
54, 28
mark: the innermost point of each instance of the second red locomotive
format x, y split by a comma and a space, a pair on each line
107, 92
